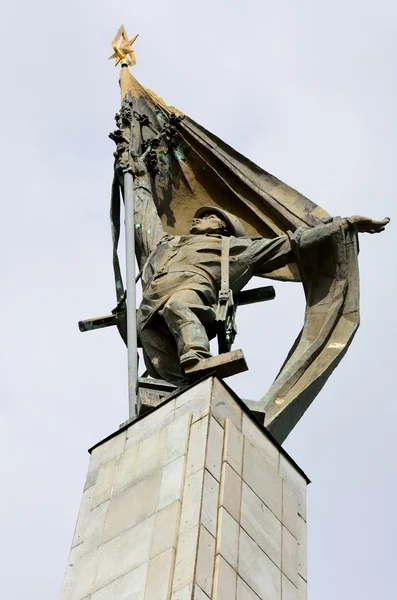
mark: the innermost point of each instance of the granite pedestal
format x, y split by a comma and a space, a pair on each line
190, 502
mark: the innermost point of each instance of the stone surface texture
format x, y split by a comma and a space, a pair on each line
192, 502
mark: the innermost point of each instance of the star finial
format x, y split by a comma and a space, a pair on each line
123, 52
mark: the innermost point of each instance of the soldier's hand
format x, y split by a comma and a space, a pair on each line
128, 164
367, 225
138, 166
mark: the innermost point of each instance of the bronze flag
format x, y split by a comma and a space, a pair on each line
199, 169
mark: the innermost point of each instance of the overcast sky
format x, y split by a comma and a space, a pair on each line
307, 89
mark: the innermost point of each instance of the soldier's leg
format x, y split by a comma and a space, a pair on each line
181, 313
160, 353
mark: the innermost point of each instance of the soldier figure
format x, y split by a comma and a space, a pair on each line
181, 276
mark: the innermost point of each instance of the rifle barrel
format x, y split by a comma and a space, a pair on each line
256, 295
97, 323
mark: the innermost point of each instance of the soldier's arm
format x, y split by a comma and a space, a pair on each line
269, 255
316, 235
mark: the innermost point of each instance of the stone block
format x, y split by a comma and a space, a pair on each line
92, 475
227, 540
302, 548
177, 438
69, 579
159, 576
256, 568
288, 590
171, 482
244, 592
102, 454
290, 516
185, 558
261, 524
205, 561
166, 529
296, 483
199, 594
124, 553
190, 592
225, 580
104, 482
214, 452
261, 442
233, 447
195, 400
197, 445
289, 560
108, 450
209, 511
185, 593
95, 528
262, 478
223, 406
302, 589
230, 491
83, 576
149, 424
191, 503
141, 459
201, 390
126, 469
79, 567
130, 586
82, 519
148, 458
133, 505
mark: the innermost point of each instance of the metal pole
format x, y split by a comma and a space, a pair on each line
131, 293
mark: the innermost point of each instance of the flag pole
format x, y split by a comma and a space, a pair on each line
131, 293
124, 55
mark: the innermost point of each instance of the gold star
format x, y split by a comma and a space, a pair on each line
123, 52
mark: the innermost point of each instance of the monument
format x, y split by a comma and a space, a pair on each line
194, 496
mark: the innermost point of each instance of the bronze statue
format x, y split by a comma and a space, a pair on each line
181, 277
246, 223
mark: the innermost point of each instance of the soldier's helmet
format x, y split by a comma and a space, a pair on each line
234, 224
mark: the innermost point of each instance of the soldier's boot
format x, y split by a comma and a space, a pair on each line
224, 365
194, 347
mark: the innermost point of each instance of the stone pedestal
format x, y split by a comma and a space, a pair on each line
190, 502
